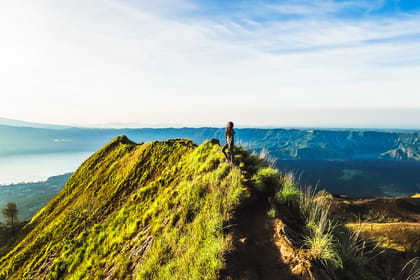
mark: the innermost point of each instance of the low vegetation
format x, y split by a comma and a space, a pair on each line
10, 213
318, 230
403, 236
7, 236
143, 211
164, 210
31, 197
411, 270
288, 193
351, 251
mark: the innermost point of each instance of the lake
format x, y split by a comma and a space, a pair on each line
38, 167
358, 178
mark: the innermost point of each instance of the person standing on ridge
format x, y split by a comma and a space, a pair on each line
229, 135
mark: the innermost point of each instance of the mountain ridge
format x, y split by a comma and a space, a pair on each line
120, 190
19, 123
283, 144
175, 210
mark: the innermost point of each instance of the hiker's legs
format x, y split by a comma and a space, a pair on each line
231, 153
224, 151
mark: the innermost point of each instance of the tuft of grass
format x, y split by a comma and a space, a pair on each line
319, 237
289, 192
323, 246
267, 158
272, 212
356, 252
319, 227
410, 271
265, 179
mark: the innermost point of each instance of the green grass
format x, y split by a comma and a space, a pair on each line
289, 192
319, 228
149, 211
265, 179
313, 208
272, 212
343, 248
356, 253
161, 210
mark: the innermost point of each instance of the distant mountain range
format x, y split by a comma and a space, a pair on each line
22, 138
18, 123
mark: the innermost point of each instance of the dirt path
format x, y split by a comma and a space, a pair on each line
256, 255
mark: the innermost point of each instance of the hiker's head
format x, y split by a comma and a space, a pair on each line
229, 124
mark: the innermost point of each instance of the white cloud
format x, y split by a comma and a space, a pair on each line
114, 61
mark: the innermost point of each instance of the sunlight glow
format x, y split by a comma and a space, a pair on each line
189, 63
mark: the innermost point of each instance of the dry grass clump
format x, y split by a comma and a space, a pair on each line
313, 208
410, 271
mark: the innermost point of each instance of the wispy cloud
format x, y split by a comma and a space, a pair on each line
322, 8
141, 59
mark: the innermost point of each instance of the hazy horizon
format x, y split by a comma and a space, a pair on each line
363, 124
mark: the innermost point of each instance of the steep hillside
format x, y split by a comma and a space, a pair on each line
154, 210
175, 210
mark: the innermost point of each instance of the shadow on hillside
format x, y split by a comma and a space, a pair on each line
255, 254
8, 241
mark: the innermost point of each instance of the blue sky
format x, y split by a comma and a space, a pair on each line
180, 62
348, 8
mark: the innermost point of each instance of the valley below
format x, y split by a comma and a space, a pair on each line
173, 209
368, 194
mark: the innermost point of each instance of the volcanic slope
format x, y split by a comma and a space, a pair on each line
133, 211
175, 210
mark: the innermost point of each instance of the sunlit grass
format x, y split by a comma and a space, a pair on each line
313, 208
401, 236
289, 192
150, 211
319, 227
265, 179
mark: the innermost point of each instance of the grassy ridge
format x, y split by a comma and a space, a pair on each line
163, 210
148, 211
